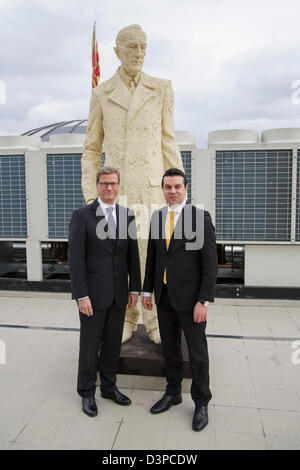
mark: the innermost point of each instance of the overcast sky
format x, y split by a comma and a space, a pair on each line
232, 63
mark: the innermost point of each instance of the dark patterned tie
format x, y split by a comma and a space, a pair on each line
112, 228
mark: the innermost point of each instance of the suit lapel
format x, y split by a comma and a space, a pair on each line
118, 92
118, 221
162, 226
122, 226
95, 206
100, 219
178, 236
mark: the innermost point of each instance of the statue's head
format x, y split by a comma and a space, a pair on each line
131, 43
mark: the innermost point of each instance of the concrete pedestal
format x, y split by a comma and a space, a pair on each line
140, 356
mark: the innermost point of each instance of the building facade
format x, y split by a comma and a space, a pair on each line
250, 183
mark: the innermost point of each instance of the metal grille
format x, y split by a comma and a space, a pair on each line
13, 223
187, 165
253, 195
64, 189
297, 237
64, 192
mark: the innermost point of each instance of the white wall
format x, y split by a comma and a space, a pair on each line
202, 179
272, 265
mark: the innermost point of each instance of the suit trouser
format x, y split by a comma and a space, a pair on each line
171, 324
100, 332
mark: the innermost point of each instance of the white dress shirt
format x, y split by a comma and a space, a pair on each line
104, 206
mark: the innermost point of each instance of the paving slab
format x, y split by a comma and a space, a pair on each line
254, 372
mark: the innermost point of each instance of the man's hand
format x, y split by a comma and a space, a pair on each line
147, 303
132, 299
200, 312
85, 306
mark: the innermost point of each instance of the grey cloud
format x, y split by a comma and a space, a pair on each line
256, 88
46, 49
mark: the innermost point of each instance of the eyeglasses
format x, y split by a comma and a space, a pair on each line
105, 184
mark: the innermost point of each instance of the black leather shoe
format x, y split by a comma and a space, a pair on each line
89, 406
117, 397
200, 418
165, 403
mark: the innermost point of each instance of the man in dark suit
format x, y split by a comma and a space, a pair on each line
102, 253
181, 269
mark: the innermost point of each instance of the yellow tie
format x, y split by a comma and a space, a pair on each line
169, 229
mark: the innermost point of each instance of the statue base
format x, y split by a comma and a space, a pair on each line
140, 356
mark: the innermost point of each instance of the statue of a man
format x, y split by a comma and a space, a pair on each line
131, 114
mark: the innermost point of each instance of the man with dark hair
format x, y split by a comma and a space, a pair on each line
102, 254
174, 172
181, 269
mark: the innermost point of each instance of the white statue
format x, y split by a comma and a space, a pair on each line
131, 114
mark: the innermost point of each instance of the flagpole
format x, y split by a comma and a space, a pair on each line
94, 51
95, 59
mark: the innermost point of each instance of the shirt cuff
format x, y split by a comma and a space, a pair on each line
81, 298
133, 292
147, 294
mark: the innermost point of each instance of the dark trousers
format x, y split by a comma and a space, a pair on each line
171, 324
100, 332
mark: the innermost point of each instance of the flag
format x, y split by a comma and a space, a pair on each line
95, 60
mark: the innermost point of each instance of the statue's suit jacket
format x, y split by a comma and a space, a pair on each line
191, 261
138, 136
100, 267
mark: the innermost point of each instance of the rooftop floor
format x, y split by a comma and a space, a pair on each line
254, 370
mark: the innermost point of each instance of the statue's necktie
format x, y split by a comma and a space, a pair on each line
169, 229
112, 227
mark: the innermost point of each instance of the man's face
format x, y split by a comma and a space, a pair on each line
108, 188
131, 53
174, 190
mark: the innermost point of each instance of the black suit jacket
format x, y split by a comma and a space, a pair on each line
191, 268
99, 268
